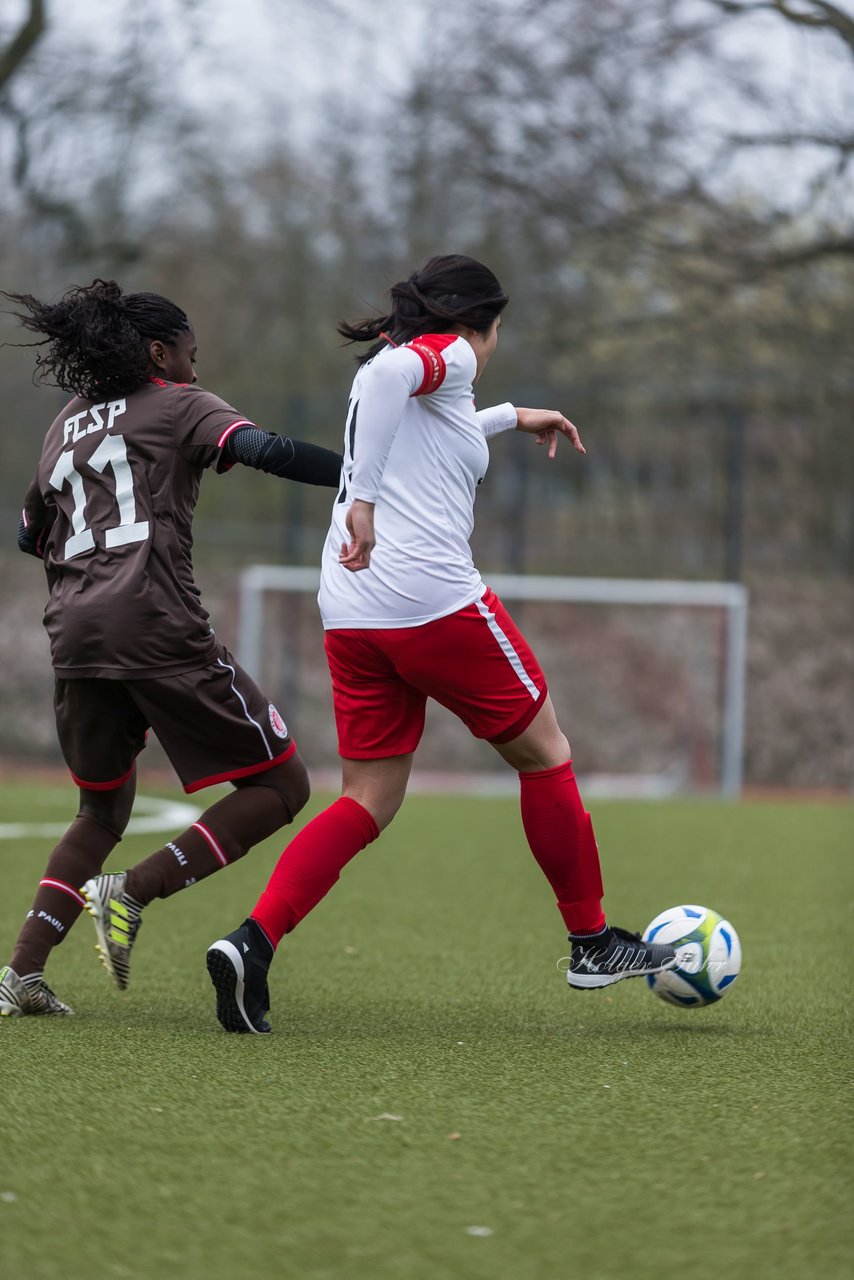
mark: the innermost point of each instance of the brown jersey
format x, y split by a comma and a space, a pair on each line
123, 477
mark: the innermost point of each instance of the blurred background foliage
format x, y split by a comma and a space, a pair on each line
664, 188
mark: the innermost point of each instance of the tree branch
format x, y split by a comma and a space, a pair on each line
820, 15
842, 246
835, 143
21, 45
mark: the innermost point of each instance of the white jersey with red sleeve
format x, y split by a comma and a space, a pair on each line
415, 447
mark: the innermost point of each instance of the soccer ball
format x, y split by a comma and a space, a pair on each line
709, 954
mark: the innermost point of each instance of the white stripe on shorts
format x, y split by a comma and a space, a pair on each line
220, 663
507, 649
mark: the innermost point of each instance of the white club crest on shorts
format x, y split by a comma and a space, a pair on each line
279, 727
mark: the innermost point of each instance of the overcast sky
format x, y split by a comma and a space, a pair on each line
255, 68
246, 57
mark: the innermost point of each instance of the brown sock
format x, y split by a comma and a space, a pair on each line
223, 833
81, 853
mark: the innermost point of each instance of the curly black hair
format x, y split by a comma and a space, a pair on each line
98, 336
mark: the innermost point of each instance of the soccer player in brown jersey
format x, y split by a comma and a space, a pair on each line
110, 512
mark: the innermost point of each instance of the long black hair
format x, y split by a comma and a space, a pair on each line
97, 337
449, 290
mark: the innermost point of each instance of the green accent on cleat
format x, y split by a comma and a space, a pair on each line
21, 998
117, 921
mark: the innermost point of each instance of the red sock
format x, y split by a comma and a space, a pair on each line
310, 865
560, 835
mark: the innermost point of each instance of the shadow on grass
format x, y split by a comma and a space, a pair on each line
399, 1021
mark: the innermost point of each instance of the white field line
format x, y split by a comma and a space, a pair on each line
152, 814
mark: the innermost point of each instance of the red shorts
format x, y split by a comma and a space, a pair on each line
475, 662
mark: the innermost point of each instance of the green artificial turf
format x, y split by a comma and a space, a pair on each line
430, 1072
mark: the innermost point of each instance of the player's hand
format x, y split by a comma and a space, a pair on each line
356, 554
546, 424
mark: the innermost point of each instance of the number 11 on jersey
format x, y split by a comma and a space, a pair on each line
111, 452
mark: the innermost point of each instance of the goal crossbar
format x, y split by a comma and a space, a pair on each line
732, 597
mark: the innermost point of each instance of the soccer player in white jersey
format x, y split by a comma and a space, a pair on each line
407, 617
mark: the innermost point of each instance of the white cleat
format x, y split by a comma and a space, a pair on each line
20, 998
117, 920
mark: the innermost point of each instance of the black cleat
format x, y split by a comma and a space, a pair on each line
238, 965
613, 955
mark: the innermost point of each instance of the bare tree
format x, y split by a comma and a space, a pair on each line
20, 44
817, 224
817, 15
75, 143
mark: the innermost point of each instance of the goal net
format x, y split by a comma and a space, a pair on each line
648, 678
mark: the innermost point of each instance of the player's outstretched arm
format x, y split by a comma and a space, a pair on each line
281, 456
546, 425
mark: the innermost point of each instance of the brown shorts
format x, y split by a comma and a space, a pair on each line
214, 724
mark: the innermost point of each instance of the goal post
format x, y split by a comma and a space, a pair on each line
728, 599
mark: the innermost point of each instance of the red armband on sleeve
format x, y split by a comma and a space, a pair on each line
429, 348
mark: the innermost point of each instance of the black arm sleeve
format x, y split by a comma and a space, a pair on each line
281, 456
30, 540
35, 523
